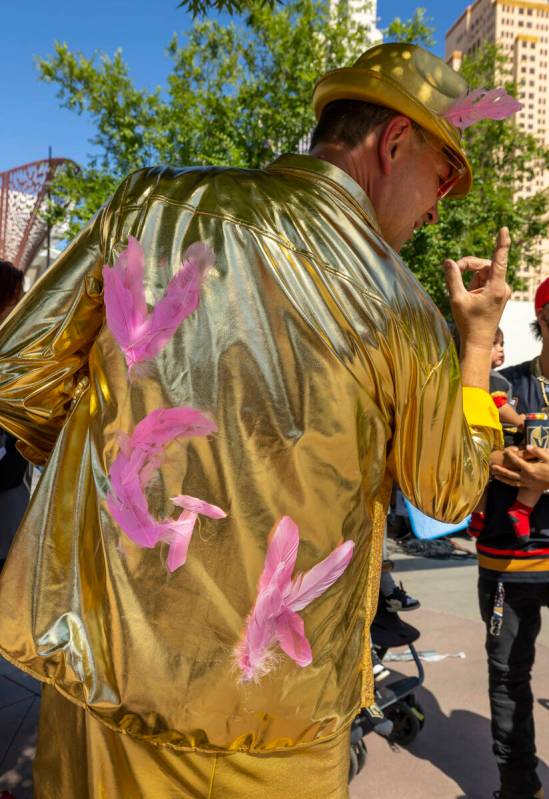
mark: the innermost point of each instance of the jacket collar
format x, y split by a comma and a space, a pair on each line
332, 176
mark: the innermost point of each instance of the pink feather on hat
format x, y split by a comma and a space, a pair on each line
481, 104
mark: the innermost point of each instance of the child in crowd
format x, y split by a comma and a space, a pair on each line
520, 510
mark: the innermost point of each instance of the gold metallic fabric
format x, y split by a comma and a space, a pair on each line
329, 372
117, 766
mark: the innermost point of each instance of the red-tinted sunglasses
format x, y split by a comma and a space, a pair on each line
457, 167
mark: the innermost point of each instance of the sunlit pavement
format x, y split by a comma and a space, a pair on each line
19, 703
451, 757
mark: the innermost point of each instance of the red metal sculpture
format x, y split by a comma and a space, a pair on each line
23, 195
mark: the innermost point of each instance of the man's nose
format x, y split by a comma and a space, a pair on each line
431, 217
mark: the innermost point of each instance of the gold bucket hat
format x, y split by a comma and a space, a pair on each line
409, 80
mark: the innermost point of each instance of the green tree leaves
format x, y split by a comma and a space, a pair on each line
418, 29
504, 159
239, 93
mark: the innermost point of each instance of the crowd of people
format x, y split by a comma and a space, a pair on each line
249, 347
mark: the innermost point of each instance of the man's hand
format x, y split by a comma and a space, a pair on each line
520, 471
477, 310
496, 458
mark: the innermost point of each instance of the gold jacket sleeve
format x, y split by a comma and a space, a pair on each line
443, 433
44, 346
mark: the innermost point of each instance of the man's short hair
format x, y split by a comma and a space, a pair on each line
349, 121
535, 326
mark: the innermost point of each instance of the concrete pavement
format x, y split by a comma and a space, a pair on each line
19, 705
451, 758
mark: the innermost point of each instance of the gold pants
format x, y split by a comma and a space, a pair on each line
80, 758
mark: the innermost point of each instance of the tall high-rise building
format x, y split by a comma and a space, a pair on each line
364, 12
521, 28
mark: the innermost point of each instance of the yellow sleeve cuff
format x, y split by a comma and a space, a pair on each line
480, 409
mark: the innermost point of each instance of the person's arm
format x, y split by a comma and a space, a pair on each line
446, 423
508, 415
44, 345
527, 468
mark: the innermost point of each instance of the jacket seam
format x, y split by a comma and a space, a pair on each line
427, 367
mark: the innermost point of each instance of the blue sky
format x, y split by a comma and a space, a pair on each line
31, 117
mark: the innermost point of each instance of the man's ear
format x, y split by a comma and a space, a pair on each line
393, 138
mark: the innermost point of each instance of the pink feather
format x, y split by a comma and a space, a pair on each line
178, 535
165, 424
273, 618
131, 267
312, 584
282, 549
179, 301
254, 653
139, 457
122, 316
290, 632
198, 506
128, 504
180, 532
277, 571
481, 104
142, 335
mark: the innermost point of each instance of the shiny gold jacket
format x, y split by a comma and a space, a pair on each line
329, 373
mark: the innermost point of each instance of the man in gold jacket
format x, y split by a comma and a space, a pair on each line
329, 374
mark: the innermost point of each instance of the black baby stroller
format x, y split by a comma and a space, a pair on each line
395, 699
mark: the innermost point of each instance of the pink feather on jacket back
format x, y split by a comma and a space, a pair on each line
274, 617
141, 334
139, 456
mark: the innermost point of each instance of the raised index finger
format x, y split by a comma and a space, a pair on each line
501, 251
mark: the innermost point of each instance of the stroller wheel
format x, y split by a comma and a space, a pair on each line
416, 708
358, 758
406, 723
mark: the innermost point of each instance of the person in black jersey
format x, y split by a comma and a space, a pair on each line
514, 583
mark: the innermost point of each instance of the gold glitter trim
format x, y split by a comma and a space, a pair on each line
381, 505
